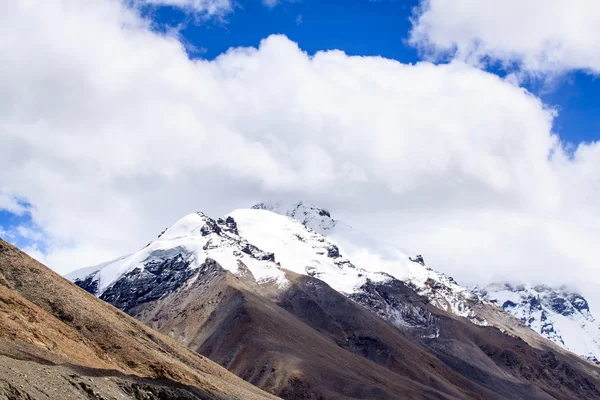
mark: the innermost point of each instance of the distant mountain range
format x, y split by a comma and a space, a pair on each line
557, 314
304, 306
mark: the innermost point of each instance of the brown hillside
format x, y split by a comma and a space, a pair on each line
57, 341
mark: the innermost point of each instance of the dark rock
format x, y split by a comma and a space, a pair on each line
324, 213
579, 303
395, 302
561, 306
418, 259
89, 283
268, 257
231, 225
159, 277
210, 227
534, 303
257, 253
508, 304
333, 251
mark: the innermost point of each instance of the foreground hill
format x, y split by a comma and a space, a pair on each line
283, 307
59, 342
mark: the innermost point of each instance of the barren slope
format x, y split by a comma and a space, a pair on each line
58, 341
309, 341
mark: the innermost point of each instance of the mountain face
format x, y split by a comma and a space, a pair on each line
379, 257
58, 342
304, 306
557, 314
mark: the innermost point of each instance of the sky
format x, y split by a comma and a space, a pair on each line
465, 131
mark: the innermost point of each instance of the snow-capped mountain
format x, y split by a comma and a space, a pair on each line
284, 296
378, 256
264, 242
557, 314
169, 260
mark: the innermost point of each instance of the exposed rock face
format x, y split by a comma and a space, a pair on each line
393, 301
418, 259
159, 277
89, 283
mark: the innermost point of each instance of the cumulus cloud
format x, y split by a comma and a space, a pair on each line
111, 133
539, 36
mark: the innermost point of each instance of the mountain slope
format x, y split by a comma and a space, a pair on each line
557, 314
258, 338
377, 256
58, 341
558, 310
278, 322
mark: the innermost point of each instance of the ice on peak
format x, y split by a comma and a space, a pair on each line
311, 216
192, 224
301, 250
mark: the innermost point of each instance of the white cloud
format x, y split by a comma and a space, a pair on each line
542, 36
270, 3
111, 133
30, 233
209, 8
9, 202
274, 3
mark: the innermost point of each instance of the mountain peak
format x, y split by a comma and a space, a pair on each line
196, 223
311, 216
557, 313
188, 243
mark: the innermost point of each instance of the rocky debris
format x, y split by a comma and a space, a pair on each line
30, 380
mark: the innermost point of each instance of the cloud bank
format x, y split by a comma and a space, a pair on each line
539, 36
111, 133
